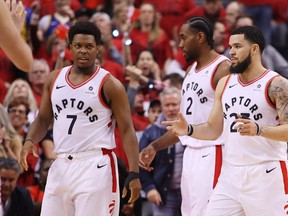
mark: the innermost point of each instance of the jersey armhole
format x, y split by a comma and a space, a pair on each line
273, 105
214, 72
102, 97
226, 82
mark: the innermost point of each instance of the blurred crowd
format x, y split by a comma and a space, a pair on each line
139, 47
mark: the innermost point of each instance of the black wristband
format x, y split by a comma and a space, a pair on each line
131, 176
190, 130
259, 130
29, 140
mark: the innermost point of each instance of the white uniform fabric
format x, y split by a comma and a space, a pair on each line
80, 116
202, 159
253, 178
83, 180
198, 99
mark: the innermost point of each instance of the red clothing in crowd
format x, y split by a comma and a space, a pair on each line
36, 194
160, 47
200, 11
256, 2
3, 90
171, 12
115, 69
5, 68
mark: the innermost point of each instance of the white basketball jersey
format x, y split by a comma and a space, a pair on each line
198, 99
82, 121
250, 100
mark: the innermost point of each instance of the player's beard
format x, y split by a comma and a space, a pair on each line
241, 66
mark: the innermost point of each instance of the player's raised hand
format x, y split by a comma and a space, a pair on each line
177, 127
17, 12
146, 157
28, 147
133, 184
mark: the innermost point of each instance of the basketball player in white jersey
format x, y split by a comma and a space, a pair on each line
254, 100
11, 42
85, 102
202, 159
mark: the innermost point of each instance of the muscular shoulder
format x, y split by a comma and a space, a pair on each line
221, 71
113, 89
278, 94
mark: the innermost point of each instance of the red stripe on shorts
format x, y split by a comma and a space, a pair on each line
218, 164
284, 174
114, 179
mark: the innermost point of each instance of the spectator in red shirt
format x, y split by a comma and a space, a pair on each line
147, 34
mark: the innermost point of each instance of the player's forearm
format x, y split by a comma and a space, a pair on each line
37, 130
278, 133
206, 131
164, 141
132, 152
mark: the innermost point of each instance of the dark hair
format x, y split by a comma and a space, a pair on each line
174, 78
204, 25
10, 164
154, 103
86, 28
18, 102
252, 34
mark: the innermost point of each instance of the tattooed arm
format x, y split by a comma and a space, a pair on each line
278, 93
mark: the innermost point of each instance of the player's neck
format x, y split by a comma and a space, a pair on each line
206, 58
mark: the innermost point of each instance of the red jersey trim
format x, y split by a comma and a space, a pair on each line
226, 82
252, 81
214, 72
84, 82
99, 91
218, 164
266, 92
51, 87
196, 71
284, 174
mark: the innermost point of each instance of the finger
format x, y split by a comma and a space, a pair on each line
13, 6
242, 120
124, 192
34, 151
8, 4
181, 117
166, 122
133, 197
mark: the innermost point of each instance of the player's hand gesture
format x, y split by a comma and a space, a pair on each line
247, 127
17, 12
178, 127
133, 184
28, 147
146, 157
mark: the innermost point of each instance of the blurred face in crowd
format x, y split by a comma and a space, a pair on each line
145, 62
147, 14
232, 12
8, 182
170, 104
17, 115
20, 89
212, 6
153, 113
219, 34
39, 73
244, 21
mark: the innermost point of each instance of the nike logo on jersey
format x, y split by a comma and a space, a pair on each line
232, 85
58, 87
100, 166
203, 156
268, 171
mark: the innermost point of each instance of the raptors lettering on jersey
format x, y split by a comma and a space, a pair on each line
73, 103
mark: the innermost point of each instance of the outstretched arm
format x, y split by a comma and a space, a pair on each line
209, 130
11, 41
